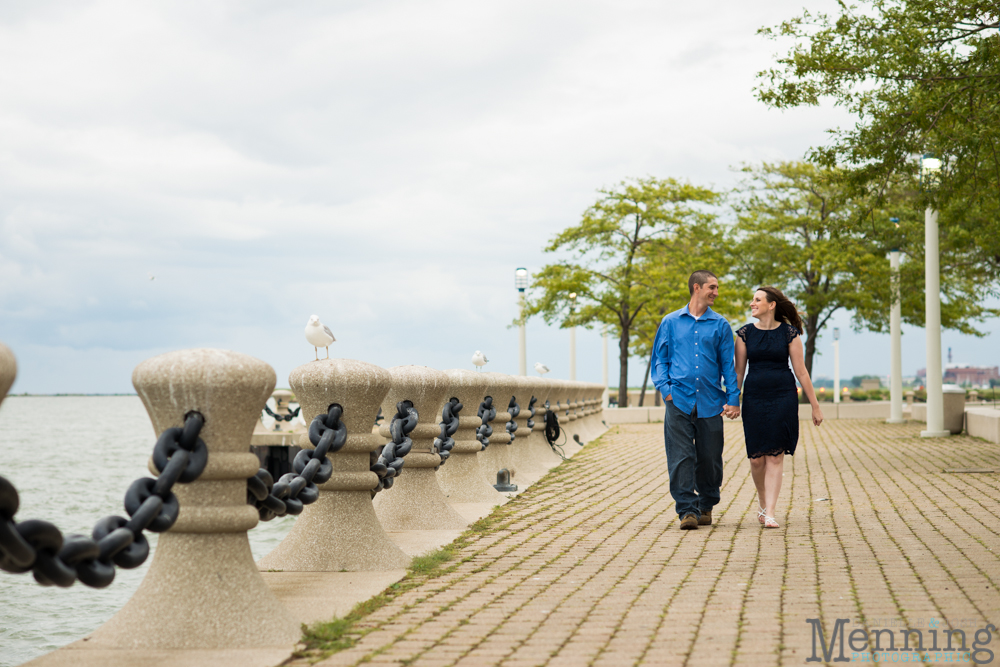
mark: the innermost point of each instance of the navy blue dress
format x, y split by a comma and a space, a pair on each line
770, 407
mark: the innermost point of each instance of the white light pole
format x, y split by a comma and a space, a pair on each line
604, 365
930, 170
895, 342
836, 365
521, 283
572, 338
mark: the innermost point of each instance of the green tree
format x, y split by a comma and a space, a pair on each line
626, 259
920, 76
794, 231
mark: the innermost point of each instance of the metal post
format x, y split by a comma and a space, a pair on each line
521, 283
522, 362
604, 367
836, 365
932, 317
572, 338
896, 349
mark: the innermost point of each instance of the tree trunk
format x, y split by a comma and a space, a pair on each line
811, 325
623, 365
645, 381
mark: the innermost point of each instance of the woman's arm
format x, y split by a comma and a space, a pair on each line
741, 362
799, 367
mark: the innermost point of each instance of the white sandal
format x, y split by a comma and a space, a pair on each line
769, 522
761, 513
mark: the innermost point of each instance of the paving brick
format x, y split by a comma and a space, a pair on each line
589, 566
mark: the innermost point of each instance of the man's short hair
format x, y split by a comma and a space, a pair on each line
699, 278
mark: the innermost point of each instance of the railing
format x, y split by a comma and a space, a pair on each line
348, 485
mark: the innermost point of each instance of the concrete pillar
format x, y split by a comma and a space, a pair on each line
498, 455
202, 590
340, 530
895, 346
521, 449
416, 501
541, 451
8, 370
932, 328
463, 479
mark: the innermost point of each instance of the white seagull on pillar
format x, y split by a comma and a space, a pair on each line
479, 359
319, 335
541, 368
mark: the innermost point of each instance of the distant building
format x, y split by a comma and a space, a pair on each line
964, 374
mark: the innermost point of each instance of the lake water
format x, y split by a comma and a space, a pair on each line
71, 459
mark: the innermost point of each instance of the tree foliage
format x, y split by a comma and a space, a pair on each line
794, 231
629, 255
921, 76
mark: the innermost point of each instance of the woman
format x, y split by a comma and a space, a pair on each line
770, 402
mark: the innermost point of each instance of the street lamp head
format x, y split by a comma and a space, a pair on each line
572, 296
836, 333
930, 172
521, 279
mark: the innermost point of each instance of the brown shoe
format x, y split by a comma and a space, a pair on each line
689, 522
705, 519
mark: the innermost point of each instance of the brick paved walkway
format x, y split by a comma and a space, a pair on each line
588, 566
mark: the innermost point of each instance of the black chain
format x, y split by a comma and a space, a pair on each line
531, 416
289, 417
552, 432
487, 413
39, 546
389, 463
514, 410
449, 425
294, 490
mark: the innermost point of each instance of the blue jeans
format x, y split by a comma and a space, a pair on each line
694, 459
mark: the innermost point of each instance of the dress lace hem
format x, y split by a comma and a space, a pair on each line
773, 452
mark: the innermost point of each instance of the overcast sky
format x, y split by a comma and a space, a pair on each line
384, 165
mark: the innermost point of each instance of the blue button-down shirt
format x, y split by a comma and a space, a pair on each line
691, 357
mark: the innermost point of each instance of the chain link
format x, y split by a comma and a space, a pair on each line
444, 443
514, 410
292, 414
389, 464
487, 413
179, 455
294, 490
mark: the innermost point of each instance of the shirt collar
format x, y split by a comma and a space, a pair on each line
709, 314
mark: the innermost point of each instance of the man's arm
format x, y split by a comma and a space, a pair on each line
660, 373
727, 363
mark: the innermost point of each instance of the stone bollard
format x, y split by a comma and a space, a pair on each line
8, 370
462, 479
415, 501
541, 453
340, 530
524, 460
202, 590
497, 456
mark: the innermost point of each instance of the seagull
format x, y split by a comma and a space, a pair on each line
479, 359
541, 368
319, 335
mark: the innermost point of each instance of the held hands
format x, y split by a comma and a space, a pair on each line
731, 411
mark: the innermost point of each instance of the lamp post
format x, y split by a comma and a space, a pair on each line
836, 365
895, 342
521, 283
572, 338
930, 172
604, 366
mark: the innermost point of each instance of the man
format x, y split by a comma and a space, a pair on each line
692, 351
